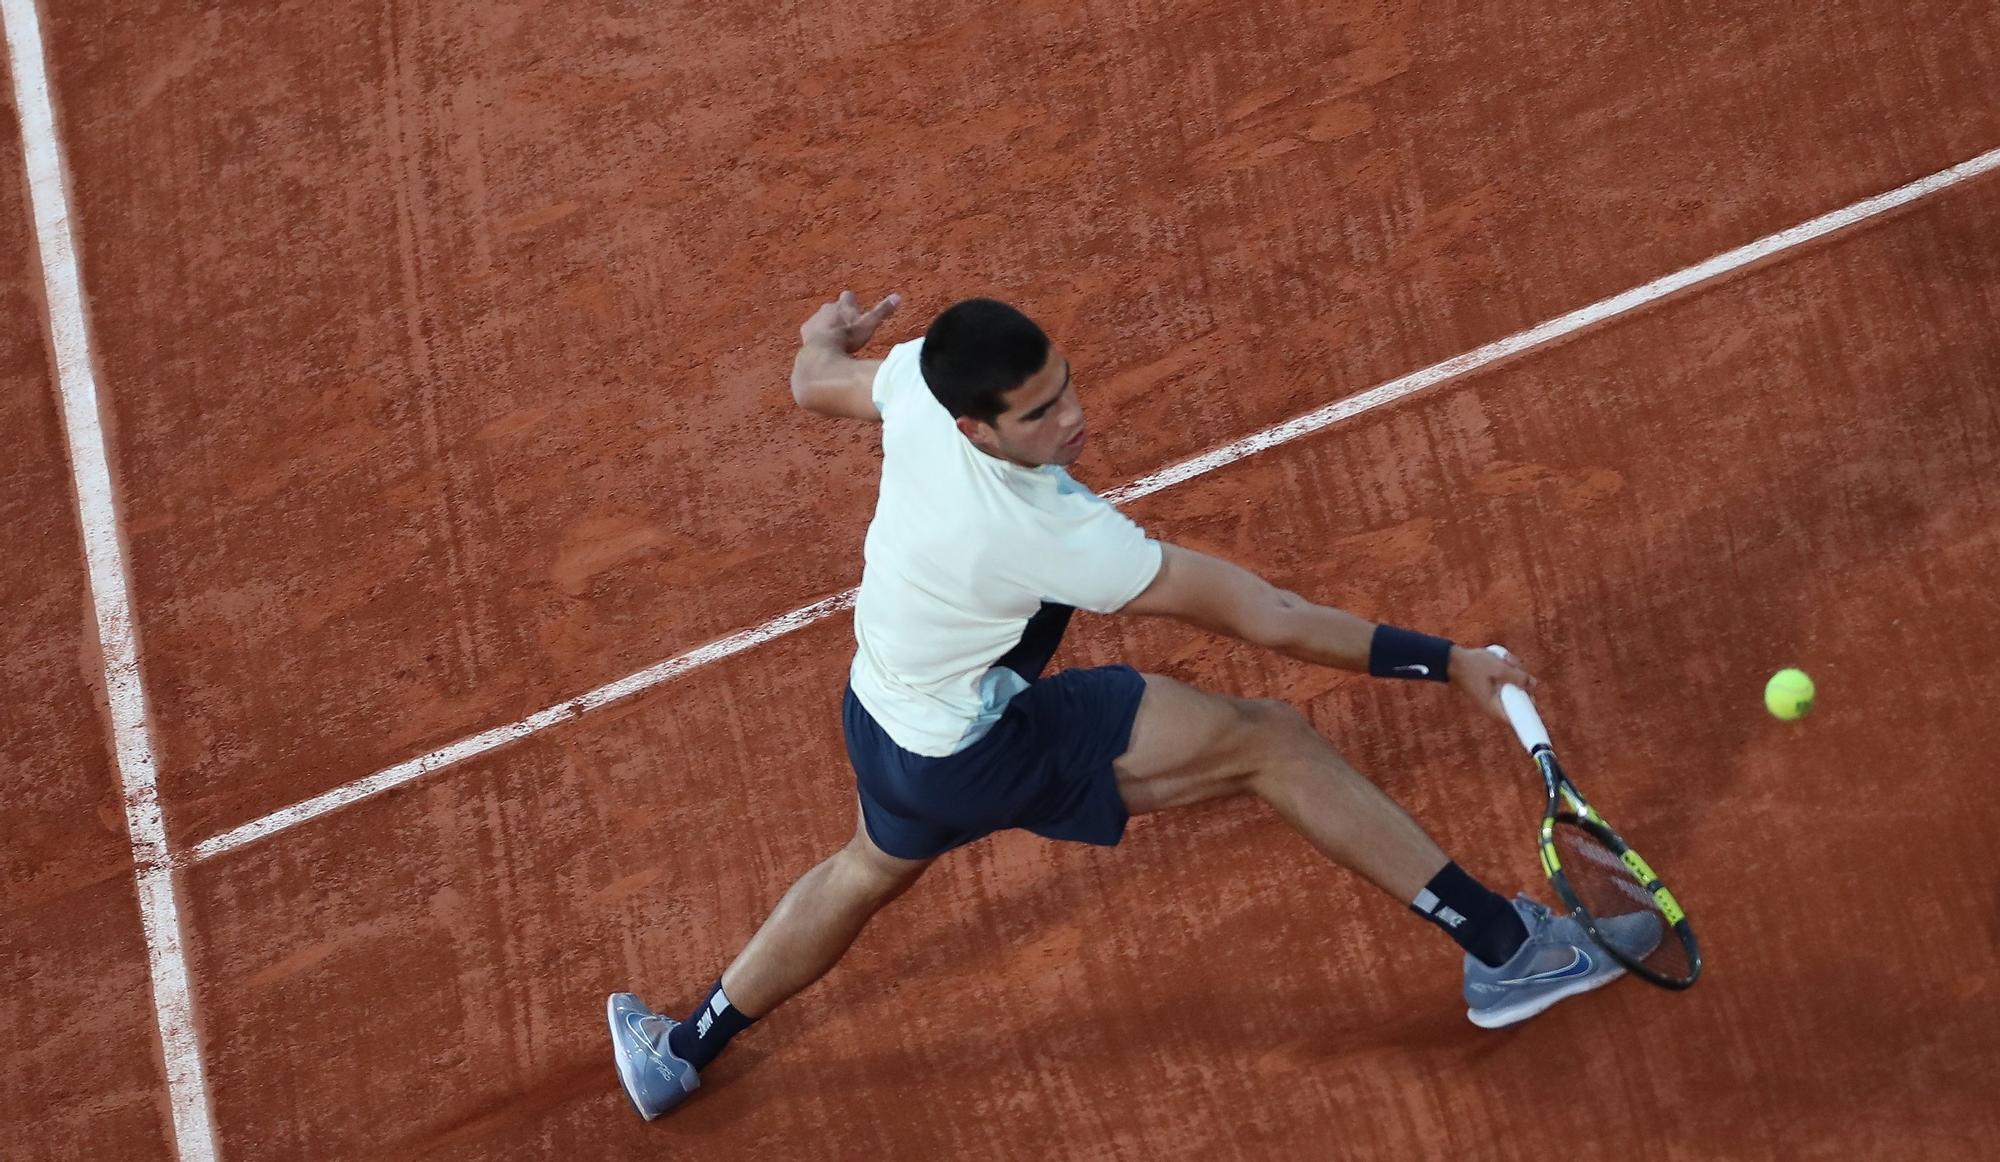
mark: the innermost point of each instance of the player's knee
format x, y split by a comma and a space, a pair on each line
1282, 736
1278, 724
1269, 713
866, 872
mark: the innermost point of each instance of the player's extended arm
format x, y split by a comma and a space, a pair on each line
826, 378
1228, 599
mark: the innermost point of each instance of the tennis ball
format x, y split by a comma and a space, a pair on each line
1789, 694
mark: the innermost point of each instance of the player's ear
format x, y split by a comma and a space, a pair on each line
972, 429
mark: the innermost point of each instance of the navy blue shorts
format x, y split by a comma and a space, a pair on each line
1045, 766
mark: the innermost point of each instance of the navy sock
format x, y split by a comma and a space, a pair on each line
1480, 919
699, 1038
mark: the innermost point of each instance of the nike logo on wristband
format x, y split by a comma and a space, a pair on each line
1419, 671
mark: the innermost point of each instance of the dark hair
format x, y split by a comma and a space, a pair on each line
978, 350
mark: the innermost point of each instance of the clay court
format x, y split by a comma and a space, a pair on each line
440, 350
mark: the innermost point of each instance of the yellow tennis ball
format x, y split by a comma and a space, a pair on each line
1789, 694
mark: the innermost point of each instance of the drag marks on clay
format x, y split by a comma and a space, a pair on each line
1593, 487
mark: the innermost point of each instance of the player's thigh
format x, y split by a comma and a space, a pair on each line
873, 870
1189, 745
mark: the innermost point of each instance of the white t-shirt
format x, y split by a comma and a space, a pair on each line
964, 548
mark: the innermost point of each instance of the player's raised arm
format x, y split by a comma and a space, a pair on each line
826, 378
1228, 599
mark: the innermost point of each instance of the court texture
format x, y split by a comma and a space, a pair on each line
423, 609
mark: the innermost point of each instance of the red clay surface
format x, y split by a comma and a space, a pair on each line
82, 1076
448, 345
1209, 989
449, 340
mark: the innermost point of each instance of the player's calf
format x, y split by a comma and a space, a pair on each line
660, 1059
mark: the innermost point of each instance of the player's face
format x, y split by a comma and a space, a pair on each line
1043, 423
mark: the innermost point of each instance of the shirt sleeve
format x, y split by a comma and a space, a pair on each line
1099, 559
900, 375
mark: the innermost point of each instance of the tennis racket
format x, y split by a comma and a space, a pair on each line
1596, 873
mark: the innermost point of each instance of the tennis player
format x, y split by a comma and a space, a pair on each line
981, 546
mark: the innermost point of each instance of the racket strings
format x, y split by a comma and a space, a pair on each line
1617, 900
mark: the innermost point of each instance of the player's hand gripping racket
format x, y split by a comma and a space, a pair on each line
1595, 872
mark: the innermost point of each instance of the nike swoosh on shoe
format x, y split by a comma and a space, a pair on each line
1579, 965
635, 1023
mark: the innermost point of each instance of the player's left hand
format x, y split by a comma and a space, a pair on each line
1481, 674
843, 324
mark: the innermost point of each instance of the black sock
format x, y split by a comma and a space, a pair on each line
1480, 919
714, 1021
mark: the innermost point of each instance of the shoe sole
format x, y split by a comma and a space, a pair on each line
624, 1060
1501, 1018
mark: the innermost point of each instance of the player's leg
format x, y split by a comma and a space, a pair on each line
1189, 745
659, 1059
815, 922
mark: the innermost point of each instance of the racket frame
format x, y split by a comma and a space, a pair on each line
1581, 815
1534, 737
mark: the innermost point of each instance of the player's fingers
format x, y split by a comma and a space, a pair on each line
1511, 670
885, 308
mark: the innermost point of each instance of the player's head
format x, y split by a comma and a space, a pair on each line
1003, 381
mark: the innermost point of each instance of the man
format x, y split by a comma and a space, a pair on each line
980, 547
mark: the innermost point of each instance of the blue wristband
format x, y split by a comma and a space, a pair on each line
1402, 653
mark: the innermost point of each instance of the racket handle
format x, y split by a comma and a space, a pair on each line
1521, 712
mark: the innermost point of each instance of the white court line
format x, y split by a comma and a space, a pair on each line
1561, 327
500, 736
104, 554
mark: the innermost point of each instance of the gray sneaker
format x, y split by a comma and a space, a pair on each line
653, 1077
1559, 959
